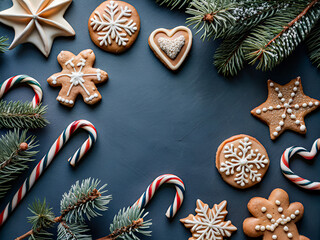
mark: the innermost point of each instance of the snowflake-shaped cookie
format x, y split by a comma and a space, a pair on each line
209, 224
242, 161
285, 108
114, 21
78, 77
274, 218
37, 22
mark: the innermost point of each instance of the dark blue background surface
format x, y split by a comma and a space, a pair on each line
152, 121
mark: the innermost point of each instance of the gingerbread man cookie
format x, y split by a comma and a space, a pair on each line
242, 161
274, 218
78, 77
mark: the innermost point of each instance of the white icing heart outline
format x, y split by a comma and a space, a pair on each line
170, 33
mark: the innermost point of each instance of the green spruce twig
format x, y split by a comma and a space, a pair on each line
313, 44
3, 44
84, 199
21, 115
16, 151
128, 223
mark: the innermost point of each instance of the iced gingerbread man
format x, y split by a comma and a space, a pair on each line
274, 218
78, 77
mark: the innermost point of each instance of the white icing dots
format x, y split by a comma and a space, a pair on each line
285, 228
316, 103
296, 106
258, 111
302, 128
269, 216
289, 110
264, 109
310, 104
290, 235
274, 237
278, 129
280, 209
278, 106
282, 99
275, 134
283, 116
295, 89
297, 83
292, 116
257, 228
271, 84
304, 105
263, 209
281, 123
297, 122
292, 94
297, 212
270, 108
280, 95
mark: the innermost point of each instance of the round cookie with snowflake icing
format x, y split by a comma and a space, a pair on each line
114, 26
242, 161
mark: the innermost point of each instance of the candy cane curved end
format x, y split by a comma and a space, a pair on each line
16, 80
155, 185
288, 173
48, 158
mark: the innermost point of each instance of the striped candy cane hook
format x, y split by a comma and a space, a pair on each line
16, 80
288, 173
47, 159
155, 185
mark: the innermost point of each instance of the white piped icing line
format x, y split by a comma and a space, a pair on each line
77, 77
162, 55
288, 108
172, 47
112, 28
242, 161
276, 223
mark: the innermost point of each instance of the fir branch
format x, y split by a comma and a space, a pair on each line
3, 44
127, 223
230, 56
277, 37
173, 3
21, 115
211, 16
73, 231
84, 199
16, 151
313, 44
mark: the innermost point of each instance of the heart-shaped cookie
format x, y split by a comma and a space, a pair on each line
288, 173
171, 46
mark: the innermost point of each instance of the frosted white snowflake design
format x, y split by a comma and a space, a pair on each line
77, 78
110, 27
209, 224
242, 161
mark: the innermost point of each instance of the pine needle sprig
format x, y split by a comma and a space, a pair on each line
229, 58
84, 199
278, 37
212, 17
21, 115
313, 44
16, 151
73, 231
173, 3
3, 44
128, 223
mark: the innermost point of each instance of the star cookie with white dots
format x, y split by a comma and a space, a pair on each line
285, 108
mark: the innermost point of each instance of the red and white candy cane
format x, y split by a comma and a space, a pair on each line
16, 80
154, 186
287, 172
47, 159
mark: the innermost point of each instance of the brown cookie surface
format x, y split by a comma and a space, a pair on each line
274, 218
209, 223
171, 46
242, 161
285, 108
114, 26
77, 77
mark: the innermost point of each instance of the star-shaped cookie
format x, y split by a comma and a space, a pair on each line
274, 218
78, 77
209, 224
37, 22
285, 108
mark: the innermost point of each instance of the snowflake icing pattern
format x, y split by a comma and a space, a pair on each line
209, 224
242, 160
112, 27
